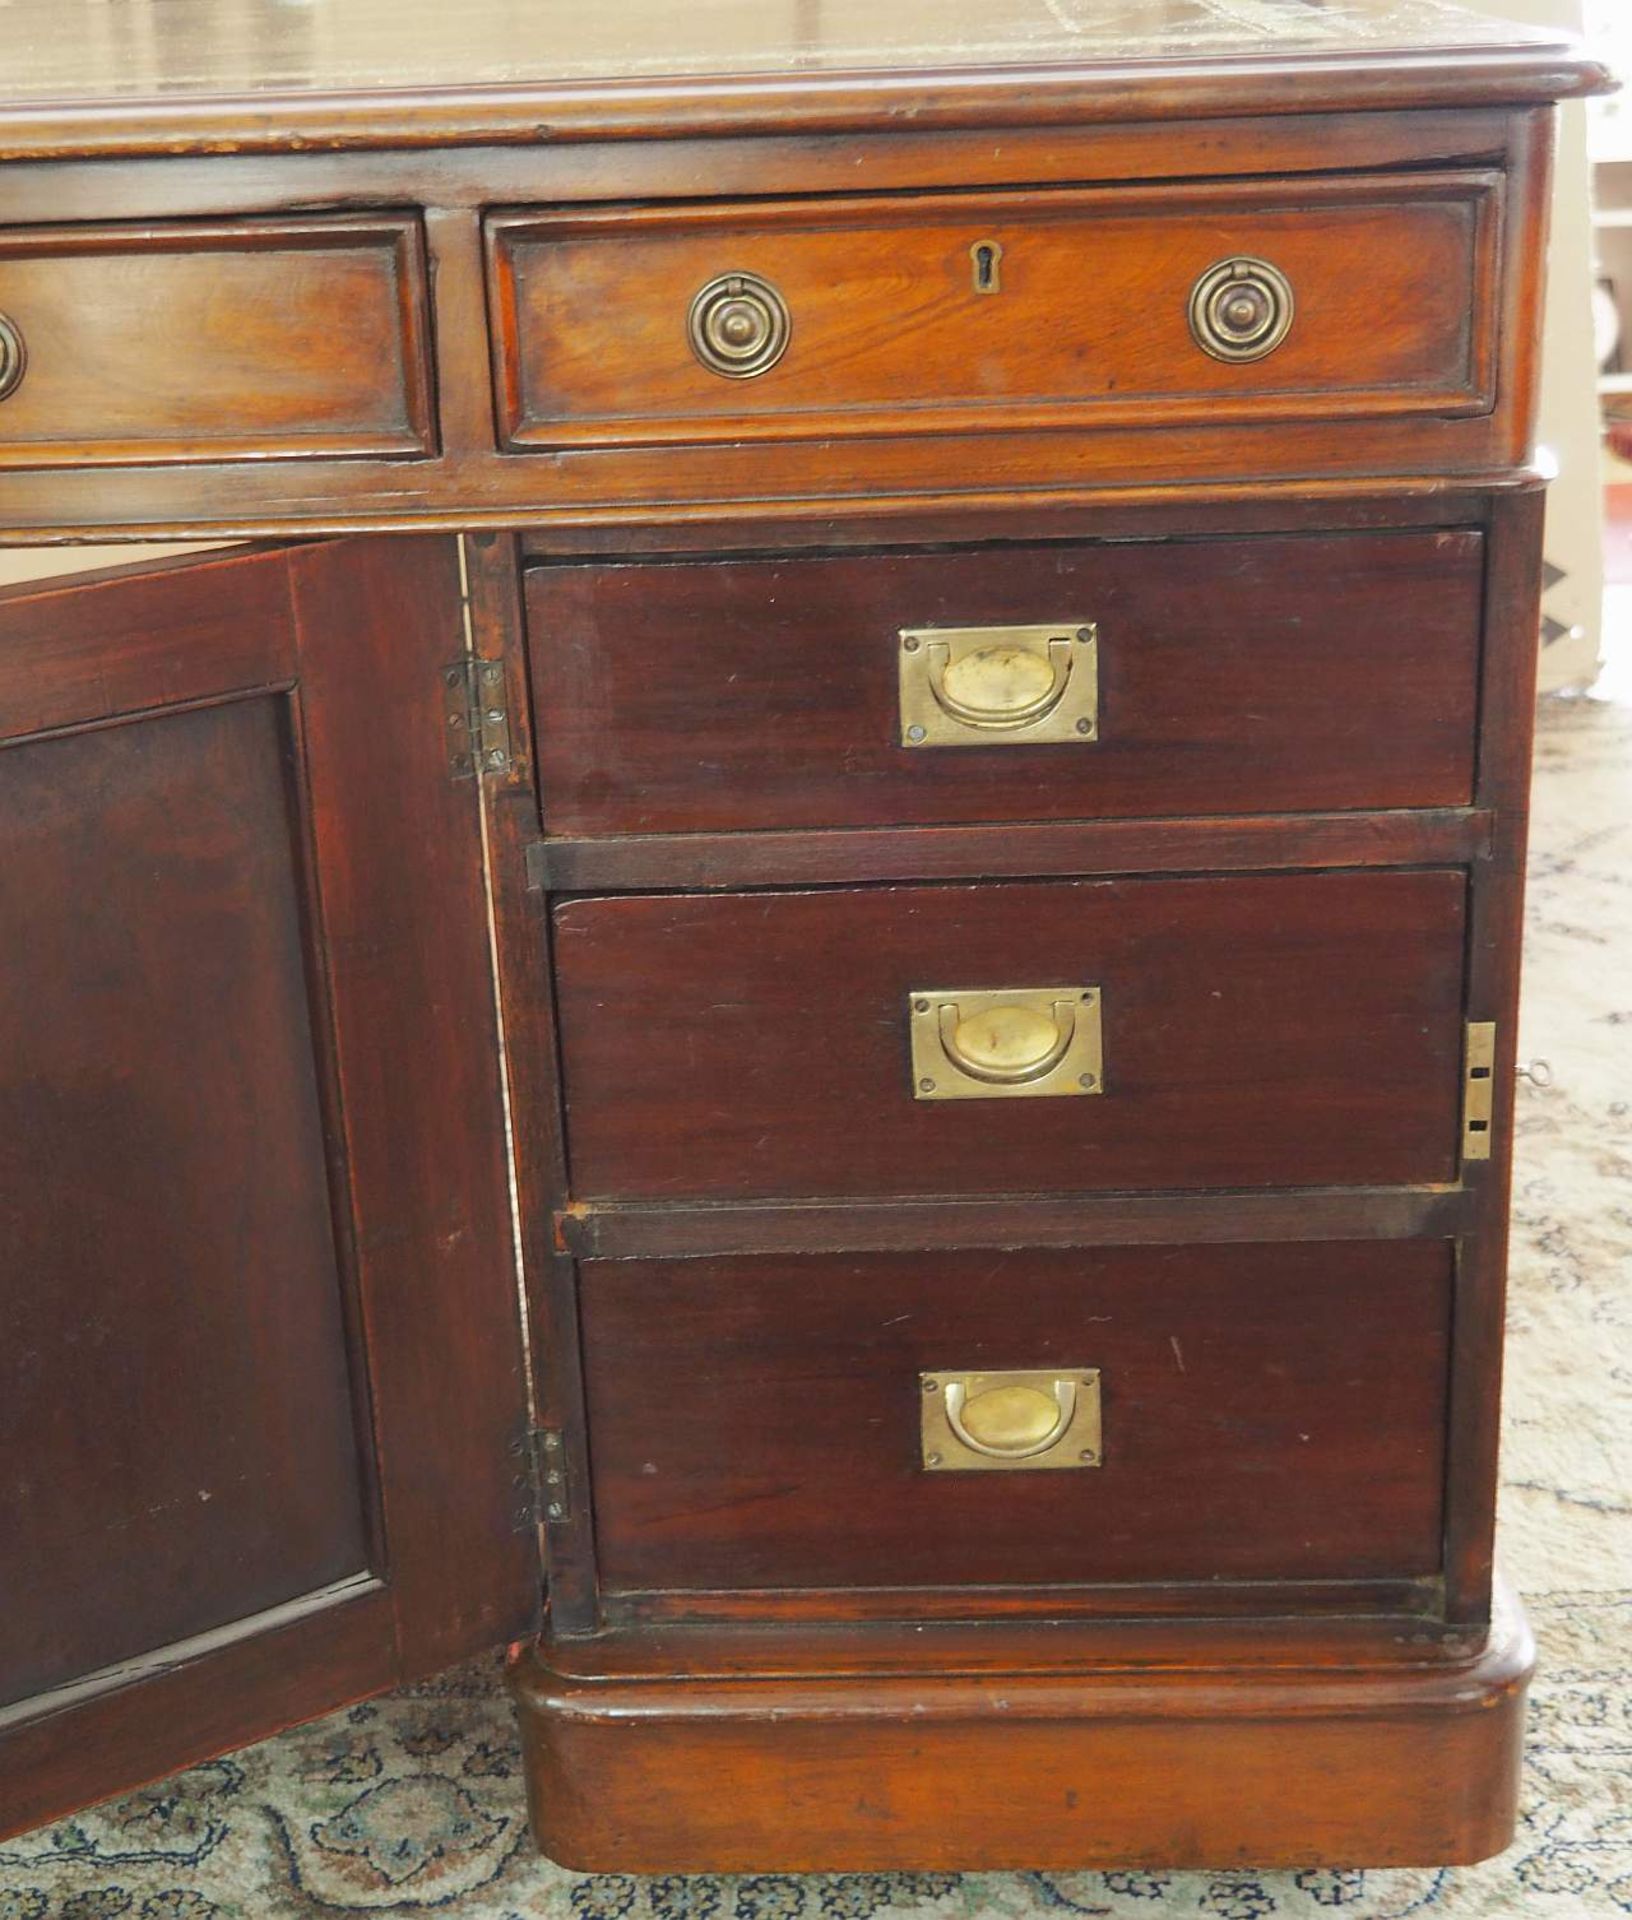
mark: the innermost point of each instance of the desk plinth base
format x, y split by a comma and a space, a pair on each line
698, 1750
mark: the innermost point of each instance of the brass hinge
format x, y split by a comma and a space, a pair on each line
545, 1479
478, 720
1478, 1088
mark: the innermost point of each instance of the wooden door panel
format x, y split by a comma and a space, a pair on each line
177, 1378
260, 1387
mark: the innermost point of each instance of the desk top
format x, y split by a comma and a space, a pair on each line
91, 76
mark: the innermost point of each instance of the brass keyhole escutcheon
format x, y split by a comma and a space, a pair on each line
739, 326
1241, 309
13, 357
987, 256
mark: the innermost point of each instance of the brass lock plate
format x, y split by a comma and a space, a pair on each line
1478, 1088
999, 686
1039, 1420
1006, 1043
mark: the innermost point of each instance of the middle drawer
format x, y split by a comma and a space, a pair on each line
1279, 1030
1272, 673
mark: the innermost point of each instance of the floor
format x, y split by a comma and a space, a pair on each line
413, 1803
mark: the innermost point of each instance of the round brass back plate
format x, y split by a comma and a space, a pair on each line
13, 357
739, 326
1241, 309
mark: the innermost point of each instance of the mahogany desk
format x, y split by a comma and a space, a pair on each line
803, 992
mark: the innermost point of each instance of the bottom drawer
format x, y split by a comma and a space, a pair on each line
1267, 1413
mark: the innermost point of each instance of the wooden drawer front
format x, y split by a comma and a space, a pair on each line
1269, 1412
1286, 1030
216, 342
1392, 279
1271, 674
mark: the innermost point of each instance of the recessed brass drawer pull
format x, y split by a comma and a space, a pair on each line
1241, 309
1008, 1043
981, 1422
13, 357
999, 686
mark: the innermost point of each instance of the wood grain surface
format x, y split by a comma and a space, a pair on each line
224, 341
1274, 675
1270, 1413
1279, 1031
1088, 326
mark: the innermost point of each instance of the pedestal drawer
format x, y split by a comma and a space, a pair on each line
1272, 674
1267, 1413
1252, 1031
1215, 300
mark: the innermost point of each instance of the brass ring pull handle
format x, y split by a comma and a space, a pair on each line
995, 686
1012, 1422
1005, 1043
13, 357
739, 326
1241, 309
1034, 1420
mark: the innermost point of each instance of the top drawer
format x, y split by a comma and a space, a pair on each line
1271, 673
213, 341
1332, 299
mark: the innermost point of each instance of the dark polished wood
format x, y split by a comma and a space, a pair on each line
351, 1288
243, 1215
1270, 1413
1263, 1746
1290, 1030
1281, 675
609, 1231
1496, 936
196, 1303
1016, 850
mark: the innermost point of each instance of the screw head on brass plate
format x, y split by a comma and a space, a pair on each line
1039, 1419
1005, 1043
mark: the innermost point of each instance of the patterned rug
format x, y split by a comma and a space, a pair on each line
414, 1803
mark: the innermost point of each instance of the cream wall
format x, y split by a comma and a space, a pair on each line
38, 563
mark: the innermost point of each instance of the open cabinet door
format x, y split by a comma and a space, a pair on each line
262, 1406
